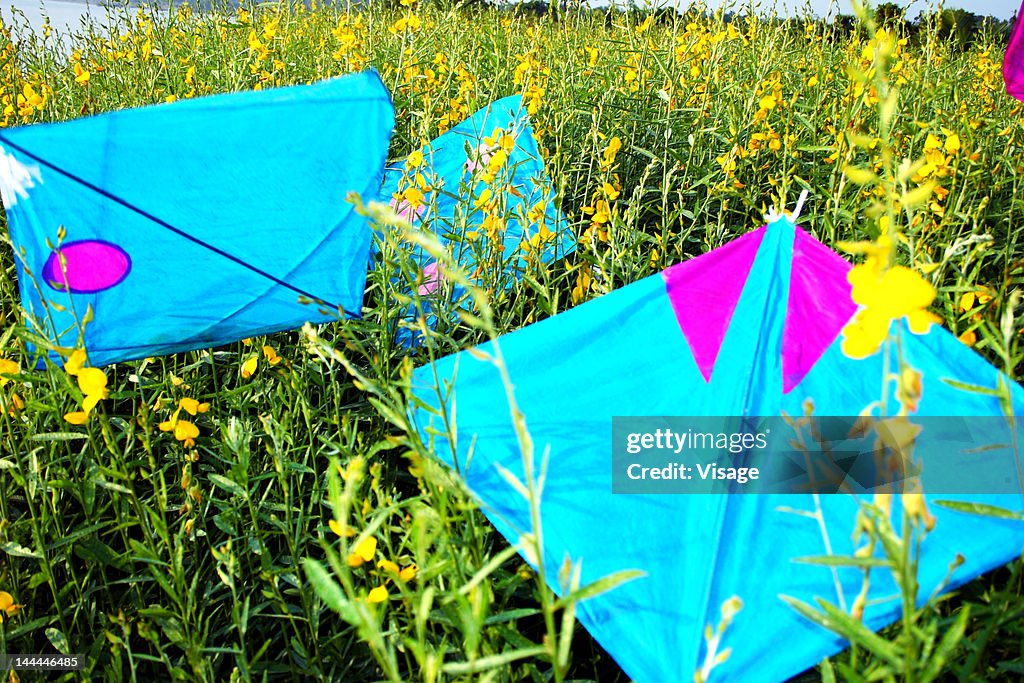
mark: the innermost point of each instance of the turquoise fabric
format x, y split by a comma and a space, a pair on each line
214, 216
454, 168
624, 355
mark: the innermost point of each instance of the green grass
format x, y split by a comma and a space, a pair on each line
159, 561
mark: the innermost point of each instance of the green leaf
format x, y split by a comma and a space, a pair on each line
843, 561
58, 436
328, 590
481, 575
828, 674
947, 646
389, 413
228, 485
600, 586
494, 661
28, 627
511, 615
970, 388
59, 640
838, 621
980, 509
17, 550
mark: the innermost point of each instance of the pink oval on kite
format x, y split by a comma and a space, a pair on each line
89, 266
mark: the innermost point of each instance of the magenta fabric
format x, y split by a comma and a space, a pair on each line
819, 306
89, 266
1013, 62
704, 292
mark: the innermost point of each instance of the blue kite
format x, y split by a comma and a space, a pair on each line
483, 190
740, 335
187, 225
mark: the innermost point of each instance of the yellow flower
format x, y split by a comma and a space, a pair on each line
495, 163
969, 338
608, 155
864, 335
342, 531
415, 159
893, 293
978, 297
249, 367
878, 252
271, 355
81, 75
378, 594
7, 606
90, 401
414, 197
507, 142
186, 432
408, 573
16, 404
916, 508
767, 102
584, 284
7, 367
75, 362
484, 200
192, 406
412, 22
363, 552
92, 381
493, 226
388, 566
537, 212
910, 389
898, 292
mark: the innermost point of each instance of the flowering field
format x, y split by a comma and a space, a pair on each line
262, 511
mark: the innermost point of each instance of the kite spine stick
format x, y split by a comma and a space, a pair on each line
800, 205
164, 224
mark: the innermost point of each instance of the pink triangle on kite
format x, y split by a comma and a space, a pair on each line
1013, 61
704, 293
819, 306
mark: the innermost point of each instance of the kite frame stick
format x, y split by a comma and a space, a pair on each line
800, 204
774, 214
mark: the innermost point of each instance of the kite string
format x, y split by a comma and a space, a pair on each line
164, 224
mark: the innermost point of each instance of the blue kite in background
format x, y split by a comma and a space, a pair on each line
188, 225
482, 189
750, 330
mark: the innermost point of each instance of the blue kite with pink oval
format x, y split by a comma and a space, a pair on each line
192, 224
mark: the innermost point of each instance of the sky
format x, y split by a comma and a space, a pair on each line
1001, 9
68, 13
